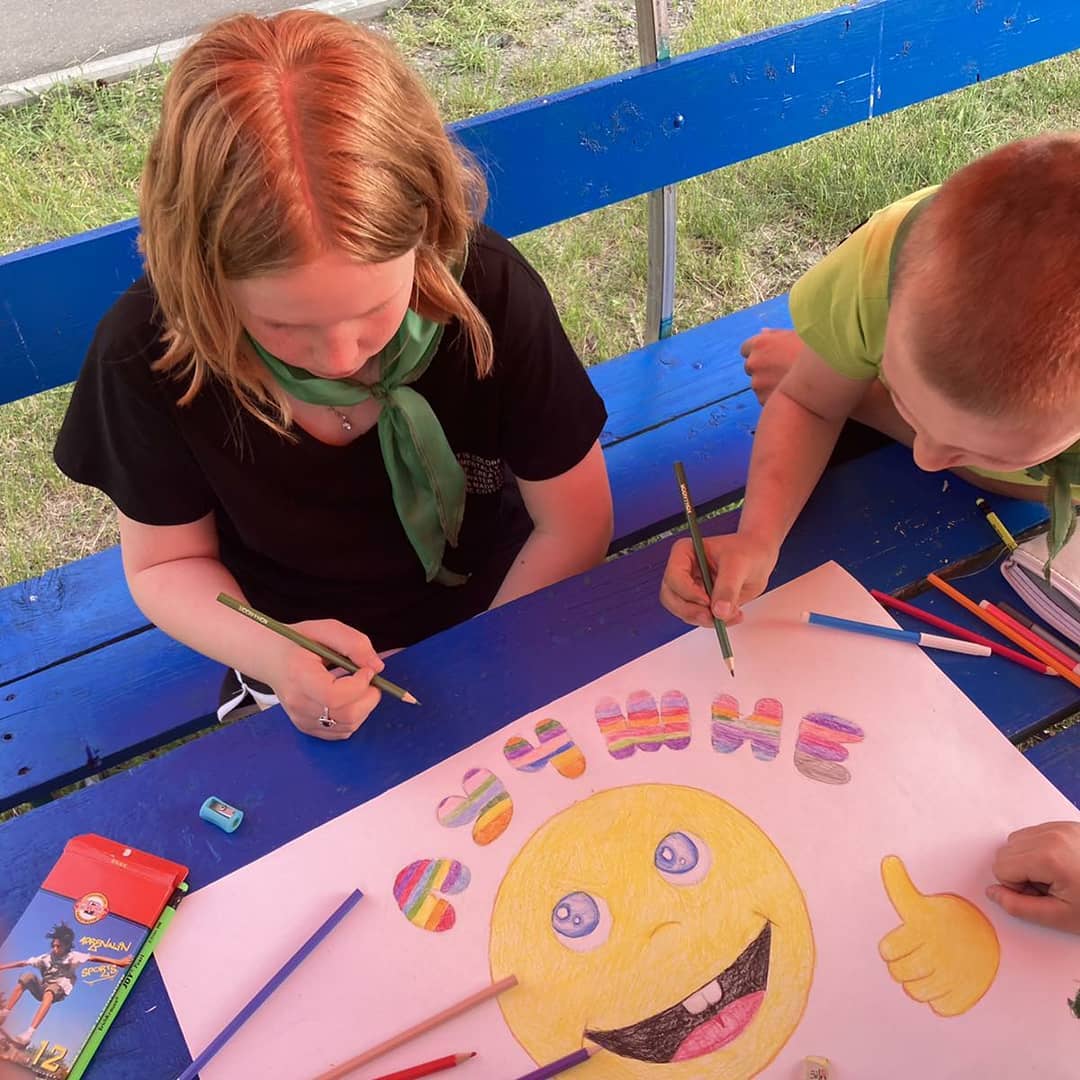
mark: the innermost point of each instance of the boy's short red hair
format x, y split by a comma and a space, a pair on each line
990, 279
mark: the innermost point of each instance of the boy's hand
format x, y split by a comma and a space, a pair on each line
740, 566
1037, 858
769, 356
305, 688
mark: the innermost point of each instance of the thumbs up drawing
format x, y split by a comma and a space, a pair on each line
945, 951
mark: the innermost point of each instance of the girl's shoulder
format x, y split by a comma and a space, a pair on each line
129, 337
497, 275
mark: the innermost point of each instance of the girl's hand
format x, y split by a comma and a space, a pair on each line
319, 702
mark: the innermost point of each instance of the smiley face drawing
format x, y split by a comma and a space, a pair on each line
661, 924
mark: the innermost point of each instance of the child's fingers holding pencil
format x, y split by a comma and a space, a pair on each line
342, 639
741, 571
682, 591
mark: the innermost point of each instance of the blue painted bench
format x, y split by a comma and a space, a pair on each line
78, 660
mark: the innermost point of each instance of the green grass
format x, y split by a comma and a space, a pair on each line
71, 161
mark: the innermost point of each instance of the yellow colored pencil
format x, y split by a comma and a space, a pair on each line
997, 524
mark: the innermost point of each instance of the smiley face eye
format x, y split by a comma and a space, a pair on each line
682, 859
581, 922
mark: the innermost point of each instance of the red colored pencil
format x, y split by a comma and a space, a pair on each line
958, 631
428, 1067
1030, 635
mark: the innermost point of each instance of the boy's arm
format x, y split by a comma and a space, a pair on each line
15, 964
94, 959
796, 434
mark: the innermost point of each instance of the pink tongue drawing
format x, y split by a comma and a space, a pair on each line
721, 1029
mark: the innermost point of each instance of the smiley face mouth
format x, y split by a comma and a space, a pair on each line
711, 1017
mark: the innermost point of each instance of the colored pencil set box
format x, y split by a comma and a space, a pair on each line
73, 956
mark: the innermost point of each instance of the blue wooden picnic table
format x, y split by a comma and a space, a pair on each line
85, 682
878, 516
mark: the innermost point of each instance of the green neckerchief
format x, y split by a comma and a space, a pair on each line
427, 481
1059, 473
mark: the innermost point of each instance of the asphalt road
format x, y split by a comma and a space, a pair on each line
42, 36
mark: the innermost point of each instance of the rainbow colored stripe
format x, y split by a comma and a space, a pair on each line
486, 802
820, 748
416, 888
555, 746
761, 727
643, 727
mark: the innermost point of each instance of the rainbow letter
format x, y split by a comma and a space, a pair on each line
819, 748
762, 727
643, 728
555, 746
486, 802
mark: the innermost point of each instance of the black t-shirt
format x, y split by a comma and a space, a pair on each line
310, 530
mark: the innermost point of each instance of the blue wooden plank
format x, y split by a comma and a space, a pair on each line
51, 298
66, 611
911, 520
673, 377
76, 718
508, 662
714, 443
568, 153
563, 155
1058, 759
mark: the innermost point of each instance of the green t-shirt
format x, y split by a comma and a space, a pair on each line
840, 308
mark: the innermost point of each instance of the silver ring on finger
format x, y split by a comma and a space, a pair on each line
325, 719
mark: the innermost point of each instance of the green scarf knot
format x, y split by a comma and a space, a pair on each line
1060, 474
427, 481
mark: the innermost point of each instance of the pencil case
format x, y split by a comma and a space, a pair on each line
1055, 602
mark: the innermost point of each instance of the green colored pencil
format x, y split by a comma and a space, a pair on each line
703, 564
127, 981
335, 658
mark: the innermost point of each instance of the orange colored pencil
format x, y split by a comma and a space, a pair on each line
414, 1072
1001, 628
1030, 635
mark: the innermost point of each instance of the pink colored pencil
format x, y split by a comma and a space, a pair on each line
1030, 635
958, 631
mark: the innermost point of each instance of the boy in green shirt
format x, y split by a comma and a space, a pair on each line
951, 322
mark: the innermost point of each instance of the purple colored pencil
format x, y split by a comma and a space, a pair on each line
560, 1066
285, 971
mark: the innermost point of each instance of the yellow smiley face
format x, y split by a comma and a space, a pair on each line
661, 924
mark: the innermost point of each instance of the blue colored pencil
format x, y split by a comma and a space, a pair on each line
560, 1066
286, 970
928, 641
